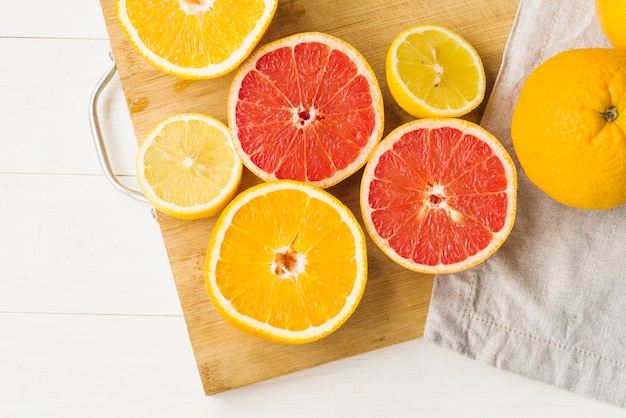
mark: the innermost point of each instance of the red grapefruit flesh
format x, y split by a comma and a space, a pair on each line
439, 195
307, 107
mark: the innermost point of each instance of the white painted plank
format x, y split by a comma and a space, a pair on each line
416, 379
75, 244
59, 19
95, 366
115, 366
44, 119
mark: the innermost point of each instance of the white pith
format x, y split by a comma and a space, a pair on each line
292, 274
196, 9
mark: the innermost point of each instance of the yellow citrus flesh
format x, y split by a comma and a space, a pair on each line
187, 166
286, 262
569, 128
434, 72
195, 39
611, 15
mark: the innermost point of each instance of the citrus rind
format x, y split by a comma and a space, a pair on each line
611, 15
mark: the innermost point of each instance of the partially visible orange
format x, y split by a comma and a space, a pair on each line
307, 107
611, 15
569, 127
439, 195
286, 262
195, 39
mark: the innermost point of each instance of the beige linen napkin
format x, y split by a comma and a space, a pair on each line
550, 304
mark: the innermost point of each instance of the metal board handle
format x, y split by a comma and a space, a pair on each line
96, 133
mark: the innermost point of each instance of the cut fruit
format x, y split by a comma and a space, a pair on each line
286, 262
434, 72
439, 195
187, 166
307, 107
195, 39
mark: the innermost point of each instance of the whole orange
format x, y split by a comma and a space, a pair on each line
611, 15
569, 127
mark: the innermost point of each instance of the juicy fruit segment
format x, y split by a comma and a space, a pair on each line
434, 72
569, 128
187, 166
611, 15
307, 107
195, 39
286, 262
438, 195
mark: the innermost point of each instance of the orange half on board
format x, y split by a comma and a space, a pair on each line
286, 262
195, 39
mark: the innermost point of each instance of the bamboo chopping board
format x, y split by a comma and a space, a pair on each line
395, 304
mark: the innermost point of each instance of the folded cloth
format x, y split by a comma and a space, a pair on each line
550, 304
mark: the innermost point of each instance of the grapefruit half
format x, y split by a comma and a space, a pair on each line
439, 195
307, 107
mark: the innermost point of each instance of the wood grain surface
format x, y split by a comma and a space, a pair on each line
395, 304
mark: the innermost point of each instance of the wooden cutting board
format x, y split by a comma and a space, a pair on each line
395, 304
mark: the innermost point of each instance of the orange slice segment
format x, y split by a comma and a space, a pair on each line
195, 39
307, 107
439, 195
286, 262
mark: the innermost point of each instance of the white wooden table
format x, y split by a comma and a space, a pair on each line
90, 323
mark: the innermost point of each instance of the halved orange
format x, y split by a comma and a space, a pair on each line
307, 107
439, 195
195, 39
286, 262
